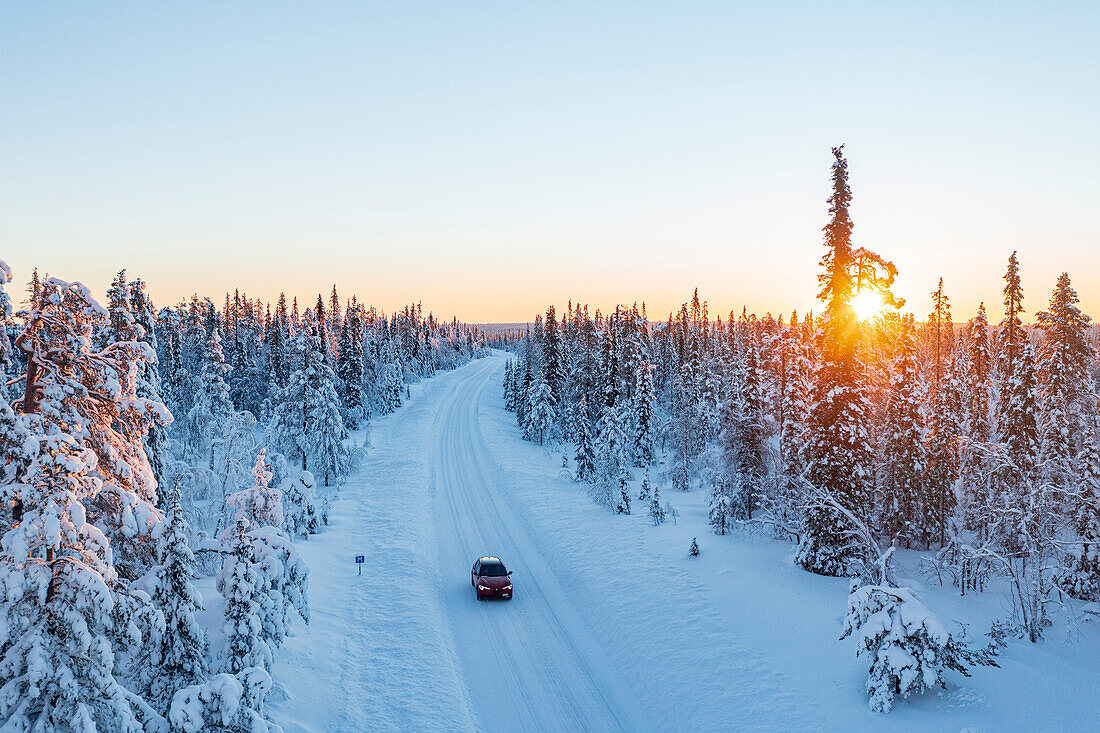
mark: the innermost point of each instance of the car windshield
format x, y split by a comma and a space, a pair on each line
493, 569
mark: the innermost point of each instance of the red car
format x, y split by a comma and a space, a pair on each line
490, 578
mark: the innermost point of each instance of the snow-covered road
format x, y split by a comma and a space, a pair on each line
407, 646
529, 663
613, 626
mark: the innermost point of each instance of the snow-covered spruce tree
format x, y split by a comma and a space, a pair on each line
744, 437
904, 462
1017, 410
585, 455
782, 510
523, 387
284, 580
282, 576
978, 390
1011, 334
259, 505
241, 586
907, 649
612, 462
645, 491
1066, 389
391, 386
212, 407
307, 424
539, 423
656, 511
720, 503
130, 320
149, 382
509, 392
978, 399
225, 702
56, 570
181, 658
552, 369
942, 453
683, 433
18, 448
623, 505
349, 369
1082, 577
643, 415
326, 433
7, 362
840, 451
301, 512
941, 336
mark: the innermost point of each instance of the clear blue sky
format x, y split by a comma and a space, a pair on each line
489, 158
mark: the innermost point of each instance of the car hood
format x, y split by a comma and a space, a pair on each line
496, 581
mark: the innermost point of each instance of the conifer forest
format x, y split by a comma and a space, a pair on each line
615, 367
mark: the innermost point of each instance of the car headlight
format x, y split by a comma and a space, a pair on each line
483, 587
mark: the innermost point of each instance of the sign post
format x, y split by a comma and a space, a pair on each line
359, 560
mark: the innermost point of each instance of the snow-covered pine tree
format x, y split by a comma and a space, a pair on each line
906, 647
55, 573
391, 388
181, 658
72, 388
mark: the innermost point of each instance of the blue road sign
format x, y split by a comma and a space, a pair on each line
360, 559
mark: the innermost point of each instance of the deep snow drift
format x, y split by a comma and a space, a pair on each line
613, 625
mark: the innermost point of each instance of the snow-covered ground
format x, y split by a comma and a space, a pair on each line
613, 626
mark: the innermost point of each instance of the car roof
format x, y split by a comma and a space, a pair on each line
490, 557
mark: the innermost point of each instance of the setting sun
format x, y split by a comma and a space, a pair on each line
867, 305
